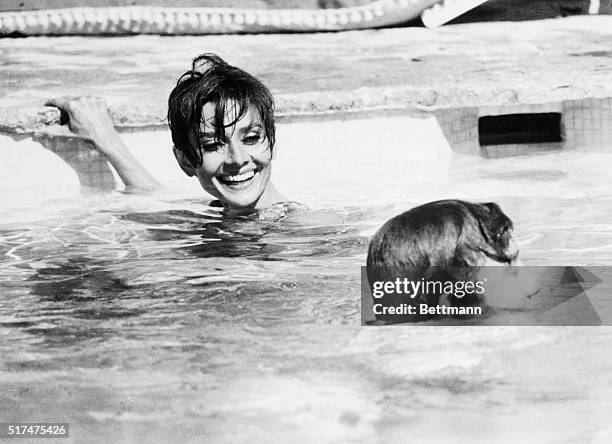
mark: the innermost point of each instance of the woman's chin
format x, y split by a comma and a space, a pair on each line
240, 199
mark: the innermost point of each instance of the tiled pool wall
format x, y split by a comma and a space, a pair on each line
586, 124
91, 167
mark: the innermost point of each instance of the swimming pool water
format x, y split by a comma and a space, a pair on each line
151, 319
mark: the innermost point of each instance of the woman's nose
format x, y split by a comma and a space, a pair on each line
236, 155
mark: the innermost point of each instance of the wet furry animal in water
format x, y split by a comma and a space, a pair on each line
426, 242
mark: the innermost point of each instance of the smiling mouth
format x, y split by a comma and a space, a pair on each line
238, 180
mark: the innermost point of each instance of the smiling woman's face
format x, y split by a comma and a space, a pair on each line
235, 170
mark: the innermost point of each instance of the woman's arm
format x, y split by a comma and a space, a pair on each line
88, 118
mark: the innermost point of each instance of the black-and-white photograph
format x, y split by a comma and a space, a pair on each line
305, 221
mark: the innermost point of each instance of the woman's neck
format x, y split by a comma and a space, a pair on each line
269, 197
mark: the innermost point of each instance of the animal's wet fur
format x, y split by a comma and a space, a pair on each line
429, 240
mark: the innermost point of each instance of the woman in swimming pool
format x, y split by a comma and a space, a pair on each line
222, 124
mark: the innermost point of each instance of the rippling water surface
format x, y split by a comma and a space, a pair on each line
153, 319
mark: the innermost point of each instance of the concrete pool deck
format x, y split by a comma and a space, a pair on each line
468, 65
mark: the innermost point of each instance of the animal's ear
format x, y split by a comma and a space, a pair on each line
483, 214
492, 221
499, 221
493, 227
183, 162
492, 206
493, 218
495, 212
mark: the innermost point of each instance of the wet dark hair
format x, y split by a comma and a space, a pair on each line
212, 80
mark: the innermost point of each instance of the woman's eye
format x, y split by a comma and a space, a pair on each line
252, 140
215, 146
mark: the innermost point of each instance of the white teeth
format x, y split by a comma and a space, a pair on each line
239, 178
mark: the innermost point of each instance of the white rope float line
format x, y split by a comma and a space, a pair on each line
161, 20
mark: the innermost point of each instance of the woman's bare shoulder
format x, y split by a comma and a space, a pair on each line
281, 210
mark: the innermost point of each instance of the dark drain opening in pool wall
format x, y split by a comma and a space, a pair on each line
519, 129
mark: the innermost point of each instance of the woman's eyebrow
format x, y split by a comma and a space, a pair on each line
210, 138
250, 127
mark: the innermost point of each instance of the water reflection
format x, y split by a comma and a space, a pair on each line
128, 321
